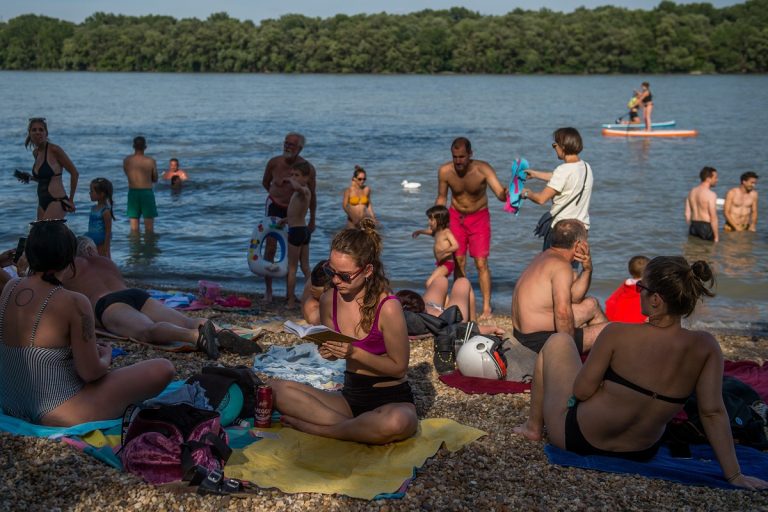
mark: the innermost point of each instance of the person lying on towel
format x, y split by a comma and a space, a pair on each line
637, 377
376, 405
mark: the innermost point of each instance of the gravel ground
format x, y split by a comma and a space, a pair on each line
498, 472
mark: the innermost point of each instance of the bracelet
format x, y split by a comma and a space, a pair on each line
525, 196
733, 477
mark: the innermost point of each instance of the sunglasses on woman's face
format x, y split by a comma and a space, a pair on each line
639, 287
345, 277
360, 178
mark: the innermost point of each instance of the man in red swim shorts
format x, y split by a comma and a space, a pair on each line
470, 221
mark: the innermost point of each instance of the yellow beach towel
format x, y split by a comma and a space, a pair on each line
299, 462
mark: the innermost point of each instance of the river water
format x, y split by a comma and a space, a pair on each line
224, 128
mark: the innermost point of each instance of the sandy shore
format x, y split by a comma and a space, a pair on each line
498, 472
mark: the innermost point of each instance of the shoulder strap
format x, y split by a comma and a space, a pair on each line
4, 306
40, 314
378, 310
577, 197
333, 314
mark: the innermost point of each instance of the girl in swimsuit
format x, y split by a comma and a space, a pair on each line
53, 370
645, 98
357, 199
637, 377
376, 405
50, 159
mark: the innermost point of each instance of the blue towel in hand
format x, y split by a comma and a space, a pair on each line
515, 194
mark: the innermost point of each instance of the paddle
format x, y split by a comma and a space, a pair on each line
618, 119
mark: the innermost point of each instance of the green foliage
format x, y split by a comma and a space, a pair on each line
672, 38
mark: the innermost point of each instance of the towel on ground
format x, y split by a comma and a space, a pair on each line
298, 462
751, 373
701, 469
301, 363
475, 385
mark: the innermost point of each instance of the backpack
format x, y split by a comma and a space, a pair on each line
169, 443
216, 381
746, 412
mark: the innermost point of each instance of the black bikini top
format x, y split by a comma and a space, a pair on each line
648, 98
45, 172
612, 376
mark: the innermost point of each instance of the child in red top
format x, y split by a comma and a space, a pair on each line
624, 304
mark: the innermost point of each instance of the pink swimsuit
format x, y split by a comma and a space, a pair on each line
374, 342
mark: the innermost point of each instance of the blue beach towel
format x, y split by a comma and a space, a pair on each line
515, 194
701, 469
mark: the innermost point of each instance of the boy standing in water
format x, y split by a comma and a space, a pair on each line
298, 233
445, 243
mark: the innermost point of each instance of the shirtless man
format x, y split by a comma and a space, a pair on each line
276, 182
174, 171
470, 221
141, 171
740, 208
700, 213
548, 299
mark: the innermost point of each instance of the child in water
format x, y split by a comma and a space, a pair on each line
298, 233
445, 243
101, 217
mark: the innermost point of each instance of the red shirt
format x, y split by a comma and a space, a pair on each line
624, 305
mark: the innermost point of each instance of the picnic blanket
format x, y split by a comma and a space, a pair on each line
293, 461
701, 469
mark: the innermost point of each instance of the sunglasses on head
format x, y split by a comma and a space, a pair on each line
346, 277
639, 287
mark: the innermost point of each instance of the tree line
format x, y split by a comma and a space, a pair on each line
670, 38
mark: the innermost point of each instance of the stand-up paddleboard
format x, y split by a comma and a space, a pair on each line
638, 126
652, 133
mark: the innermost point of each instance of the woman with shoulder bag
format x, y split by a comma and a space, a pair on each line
569, 186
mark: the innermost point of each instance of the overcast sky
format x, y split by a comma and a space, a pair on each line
78, 10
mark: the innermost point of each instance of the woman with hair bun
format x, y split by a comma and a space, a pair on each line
376, 404
53, 371
637, 377
357, 199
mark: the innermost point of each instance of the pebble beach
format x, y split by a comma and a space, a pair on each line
500, 471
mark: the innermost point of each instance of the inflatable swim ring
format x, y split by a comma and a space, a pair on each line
268, 227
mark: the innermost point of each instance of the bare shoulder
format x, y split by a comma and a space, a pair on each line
706, 340
274, 161
445, 169
391, 309
484, 167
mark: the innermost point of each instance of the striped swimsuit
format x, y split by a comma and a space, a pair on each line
35, 380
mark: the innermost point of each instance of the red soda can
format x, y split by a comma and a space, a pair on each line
262, 417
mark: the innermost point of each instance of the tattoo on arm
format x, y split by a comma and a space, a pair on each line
89, 328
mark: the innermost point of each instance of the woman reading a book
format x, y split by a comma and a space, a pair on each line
376, 405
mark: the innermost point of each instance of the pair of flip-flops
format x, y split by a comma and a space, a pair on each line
214, 483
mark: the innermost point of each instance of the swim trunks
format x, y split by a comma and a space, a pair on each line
275, 210
536, 340
132, 296
701, 229
141, 203
448, 264
576, 442
471, 230
729, 228
299, 235
362, 396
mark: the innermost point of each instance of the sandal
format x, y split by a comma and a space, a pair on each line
207, 341
216, 484
231, 342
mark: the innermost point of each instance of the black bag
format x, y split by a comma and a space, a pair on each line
746, 412
446, 342
544, 226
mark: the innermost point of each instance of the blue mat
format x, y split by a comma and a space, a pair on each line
23, 428
701, 469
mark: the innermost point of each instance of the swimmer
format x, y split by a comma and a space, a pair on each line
700, 207
740, 207
357, 202
174, 171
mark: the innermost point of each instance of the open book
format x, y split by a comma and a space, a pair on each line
318, 334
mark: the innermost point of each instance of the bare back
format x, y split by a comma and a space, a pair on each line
701, 201
533, 303
141, 171
618, 418
96, 276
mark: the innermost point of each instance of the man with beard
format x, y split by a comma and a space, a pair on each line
470, 221
740, 208
278, 186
